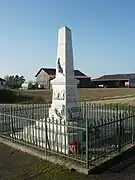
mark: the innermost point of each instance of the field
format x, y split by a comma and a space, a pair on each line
43, 96
89, 94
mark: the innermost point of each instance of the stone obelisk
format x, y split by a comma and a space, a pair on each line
64, 99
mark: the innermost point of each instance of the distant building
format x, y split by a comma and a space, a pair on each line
2, 83
29, 85
45, 75
24, 85
115, 80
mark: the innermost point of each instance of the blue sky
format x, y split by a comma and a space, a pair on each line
103, 35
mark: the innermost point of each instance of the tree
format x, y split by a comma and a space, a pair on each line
14, 82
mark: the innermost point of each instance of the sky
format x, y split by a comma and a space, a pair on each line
103, 34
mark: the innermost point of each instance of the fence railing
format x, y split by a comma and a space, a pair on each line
103, 131
32, 111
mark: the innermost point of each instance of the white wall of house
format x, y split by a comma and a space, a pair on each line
43, 79
24, 85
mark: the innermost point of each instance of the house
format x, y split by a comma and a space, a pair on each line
2, 83
115, 80
45, 75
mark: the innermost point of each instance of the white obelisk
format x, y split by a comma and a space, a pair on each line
64, 108
64, 99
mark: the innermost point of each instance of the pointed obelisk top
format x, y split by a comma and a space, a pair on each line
65, 27
64, 61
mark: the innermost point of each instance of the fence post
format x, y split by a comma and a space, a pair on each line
11, 121
120, 133
87, 142
45, 137
32, 117
84, 110
132, 122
